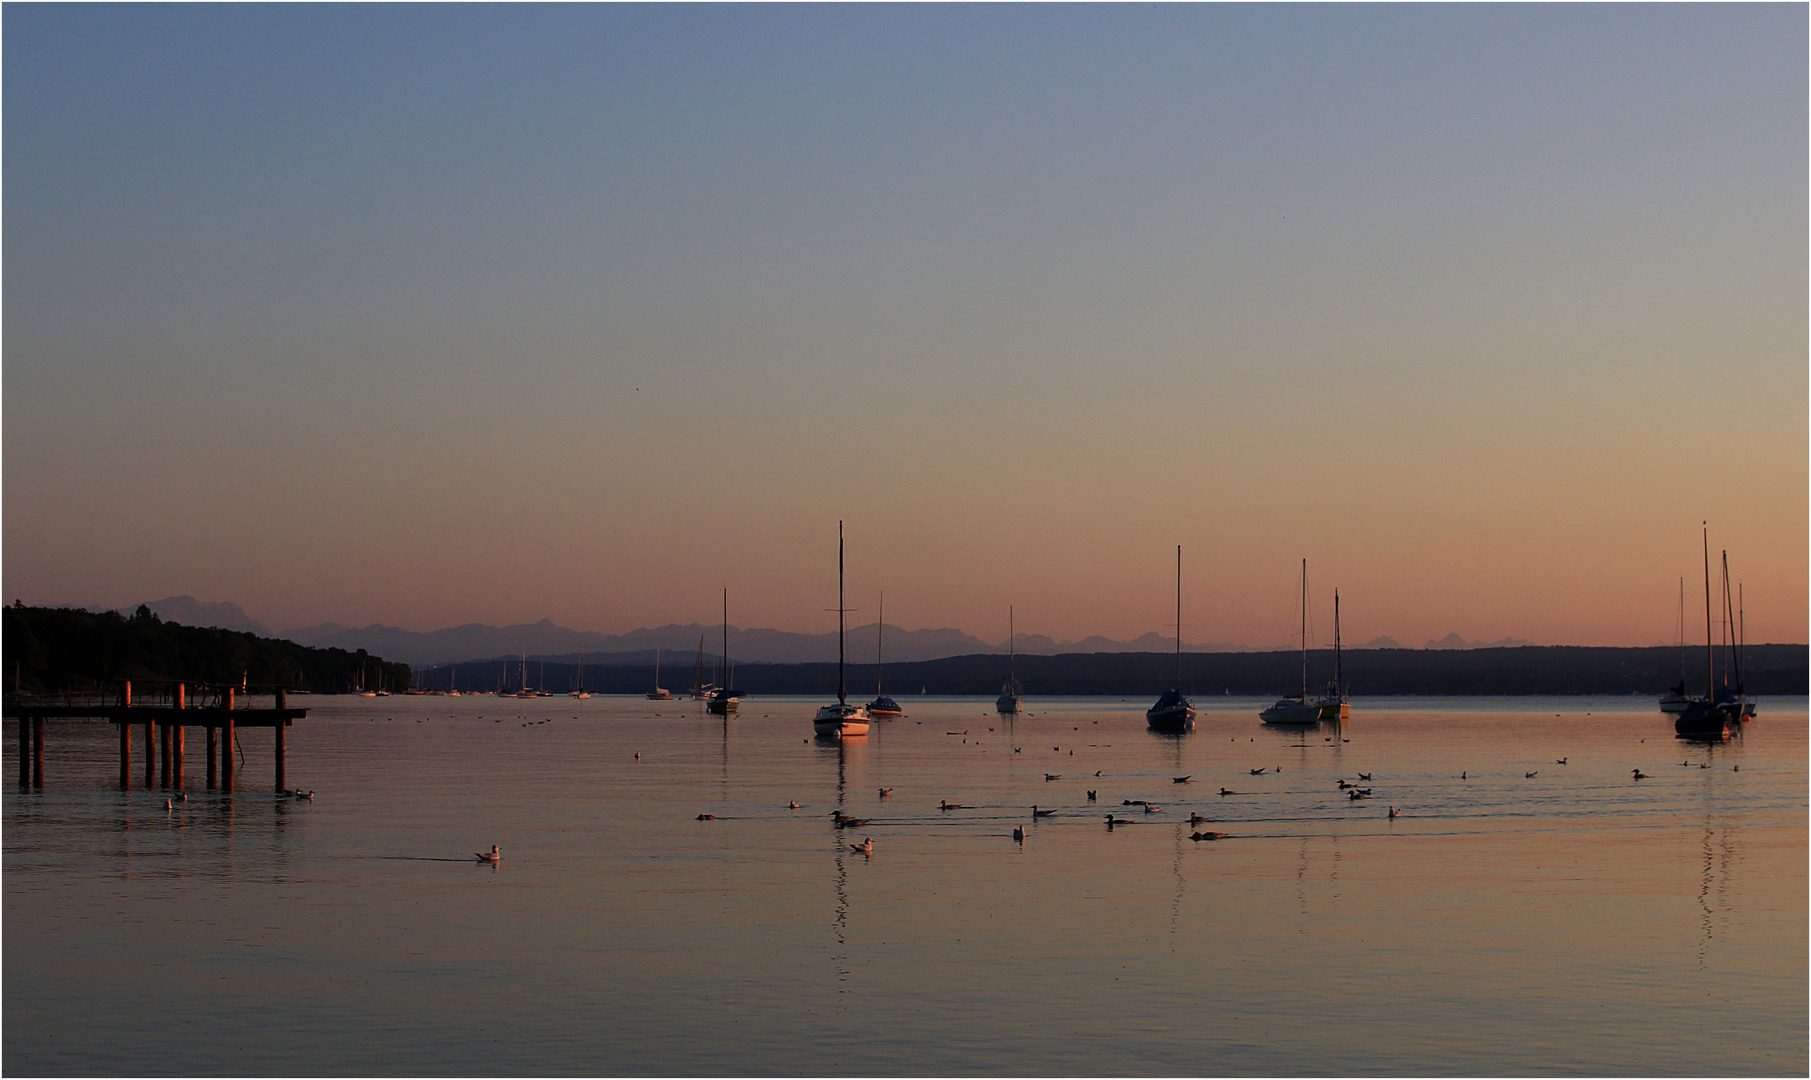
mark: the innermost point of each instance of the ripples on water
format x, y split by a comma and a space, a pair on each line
1574, 921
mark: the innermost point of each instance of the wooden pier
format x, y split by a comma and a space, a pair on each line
164, 726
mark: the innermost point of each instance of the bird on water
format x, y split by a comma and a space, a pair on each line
866, 847
494, 855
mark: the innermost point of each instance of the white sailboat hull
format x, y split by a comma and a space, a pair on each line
839, 720
1292, 711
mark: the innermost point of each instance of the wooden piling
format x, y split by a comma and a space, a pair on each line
213, 742
37, 751
125, 755
179, 699
150, 753
163, 737
24, 752
282, 703
228, 741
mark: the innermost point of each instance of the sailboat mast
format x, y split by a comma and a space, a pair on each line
1304, 631
726, 641
1682, 633
878, 631
1179, 618
1710, 643
1339, 681
1012, 653
842, 691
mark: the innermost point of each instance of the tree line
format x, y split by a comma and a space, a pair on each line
66, 650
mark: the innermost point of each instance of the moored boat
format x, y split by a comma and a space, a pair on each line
1297, 708
882, 705
1173, 711
1718, 714
841, 719
658, 694
724, 700
1008, 702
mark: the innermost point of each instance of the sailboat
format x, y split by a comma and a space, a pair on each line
1173, 712
1296, 708
700, 689
659, 694
723, 702
1008, 701
1334, 704
882, 705
1716, 714
841, 719
581, 693
526, 691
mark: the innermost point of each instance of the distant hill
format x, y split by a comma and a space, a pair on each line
1773, 669
188, 611
477, 641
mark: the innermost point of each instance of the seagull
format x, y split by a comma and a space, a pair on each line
493, 856
707, 817
1257, 772
1364, 776
1532, 775
885, 791
1035, 812
1149, 809
1180, 779
1559, 761
866, 847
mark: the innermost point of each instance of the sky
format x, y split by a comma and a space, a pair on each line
428, 315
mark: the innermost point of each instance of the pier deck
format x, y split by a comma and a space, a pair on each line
164, 729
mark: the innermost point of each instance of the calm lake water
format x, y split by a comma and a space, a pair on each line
1572, 921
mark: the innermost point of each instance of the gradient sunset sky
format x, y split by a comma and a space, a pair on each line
430, 315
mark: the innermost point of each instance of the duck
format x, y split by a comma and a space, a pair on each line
1149, 809
1559, 761
1092, 796
851, 822
951, 806
1227, 791
1112, 821
707, 817
1639, 775
1343, 785
1196, 819
1131, 802
1362, 775
1532, 775
1049, 776
493, 856
1018, 833
866, 847
1035, 812
793, 805
1200, 836
1355, 795
1257, 772
885, 791
1395, 813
